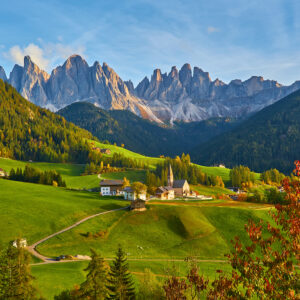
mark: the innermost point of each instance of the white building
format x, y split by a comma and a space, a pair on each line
129, 194
22, 243
111, 187
2, 173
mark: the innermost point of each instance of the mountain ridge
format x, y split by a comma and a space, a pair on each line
180, 95
268, 139
140, 135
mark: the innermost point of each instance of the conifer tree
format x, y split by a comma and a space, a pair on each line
120, 285
15, 277
94, 287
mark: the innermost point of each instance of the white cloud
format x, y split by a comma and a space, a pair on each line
16, 54
212, 29
45, 55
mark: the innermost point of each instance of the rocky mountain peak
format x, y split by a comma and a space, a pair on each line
142, 87
185, 74
174, 72
75, 62
156, 75
33, 69
3, 74
199, 73
183, 95
130, 86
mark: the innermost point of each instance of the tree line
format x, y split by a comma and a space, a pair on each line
28, 132
33, 175
99, 163
182, 169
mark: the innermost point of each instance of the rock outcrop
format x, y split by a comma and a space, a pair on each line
184, 95
2, 74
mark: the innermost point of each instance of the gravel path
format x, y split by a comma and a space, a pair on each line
32, 248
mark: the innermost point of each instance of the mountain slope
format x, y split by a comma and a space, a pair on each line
183, 95
140, 135
269, 139
28, 132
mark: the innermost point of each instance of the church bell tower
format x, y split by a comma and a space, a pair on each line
170, 177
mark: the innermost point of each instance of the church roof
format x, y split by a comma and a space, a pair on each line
179, 183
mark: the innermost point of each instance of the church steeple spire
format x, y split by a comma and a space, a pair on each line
170, 176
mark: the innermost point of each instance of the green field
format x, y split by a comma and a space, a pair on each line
151, 161
209, 190
51, 279
163, 231
34, 211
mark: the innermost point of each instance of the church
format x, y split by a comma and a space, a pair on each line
179, 188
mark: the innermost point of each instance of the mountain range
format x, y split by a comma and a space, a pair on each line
268, 139
141, 135
185, 95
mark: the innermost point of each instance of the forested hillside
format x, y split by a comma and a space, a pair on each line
140, 135
28, 132
269, 139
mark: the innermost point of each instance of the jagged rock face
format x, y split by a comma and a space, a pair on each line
75, 81
30, 81
193, 96
185, 95
2, 74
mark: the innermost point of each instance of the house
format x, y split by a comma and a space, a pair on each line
22, 243
105, 151
165, 193
138, 205
129, 194
3, 173
111, 187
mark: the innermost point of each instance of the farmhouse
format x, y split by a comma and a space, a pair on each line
129, 194
20, 243
138, 205
111, 187
105, 151
2, 173
165, 193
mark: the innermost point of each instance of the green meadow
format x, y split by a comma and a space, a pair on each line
162, 231
34, 211
51, 279
210, 190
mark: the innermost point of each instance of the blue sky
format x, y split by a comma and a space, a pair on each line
228, 38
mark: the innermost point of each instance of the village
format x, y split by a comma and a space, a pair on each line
137, 192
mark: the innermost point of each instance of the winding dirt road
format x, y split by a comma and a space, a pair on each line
32, 248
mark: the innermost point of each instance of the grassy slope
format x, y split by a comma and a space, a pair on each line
208, 190
152, 161
71, 173
51, 279
162, 231
223, 172
34, 211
